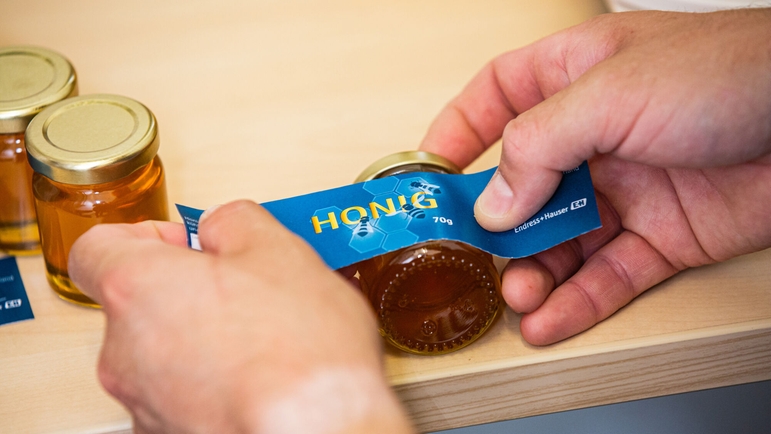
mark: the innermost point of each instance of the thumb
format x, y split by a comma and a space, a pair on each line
529, 172
552, 137
245, 229
513, 195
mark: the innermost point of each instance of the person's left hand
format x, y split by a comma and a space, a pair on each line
254, 334
670, 109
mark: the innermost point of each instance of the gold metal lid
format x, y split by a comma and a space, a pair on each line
92, 139
31, 78
390, 164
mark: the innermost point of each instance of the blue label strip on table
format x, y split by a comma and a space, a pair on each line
349, 224
14, 304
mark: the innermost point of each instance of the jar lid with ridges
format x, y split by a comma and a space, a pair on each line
31, 78
394, 161
92, 139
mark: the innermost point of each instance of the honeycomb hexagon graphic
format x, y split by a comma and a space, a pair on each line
399, 239
384, 230
366, 237
388, 201
393, 223
380, 185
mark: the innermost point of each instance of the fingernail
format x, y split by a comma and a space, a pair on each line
207, 213
496, 199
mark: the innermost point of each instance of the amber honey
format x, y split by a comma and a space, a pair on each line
18, 223
95, 161
432, 297
31, 78
69, 211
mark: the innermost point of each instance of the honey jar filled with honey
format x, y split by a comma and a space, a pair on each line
432, 297
95, 161
31, 78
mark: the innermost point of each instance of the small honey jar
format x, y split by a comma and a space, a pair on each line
432, 297
95, 161
31, 78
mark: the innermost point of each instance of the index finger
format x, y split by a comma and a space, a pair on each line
104, 247
475, 119
506, 87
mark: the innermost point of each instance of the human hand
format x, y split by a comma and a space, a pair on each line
673, 112
254, 334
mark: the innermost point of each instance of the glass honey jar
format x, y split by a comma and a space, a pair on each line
435, 296
95, 161
31, 78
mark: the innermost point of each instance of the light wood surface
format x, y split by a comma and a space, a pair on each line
309, 93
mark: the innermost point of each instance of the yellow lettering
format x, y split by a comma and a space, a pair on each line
419, 197
344, 215
391, 209
419, 200
332, 220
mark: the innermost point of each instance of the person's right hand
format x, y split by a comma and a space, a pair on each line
674, 112
253, 334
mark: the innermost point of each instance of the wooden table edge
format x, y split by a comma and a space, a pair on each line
589, 376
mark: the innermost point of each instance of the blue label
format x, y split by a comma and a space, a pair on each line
349, 224
14, 304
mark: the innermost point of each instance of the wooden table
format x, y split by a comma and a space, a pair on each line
251, 91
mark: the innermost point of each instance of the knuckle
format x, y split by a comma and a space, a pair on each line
116, 288
111, 381
517, 135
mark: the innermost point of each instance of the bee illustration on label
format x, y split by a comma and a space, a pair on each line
426, 187
364, 228
413, 211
